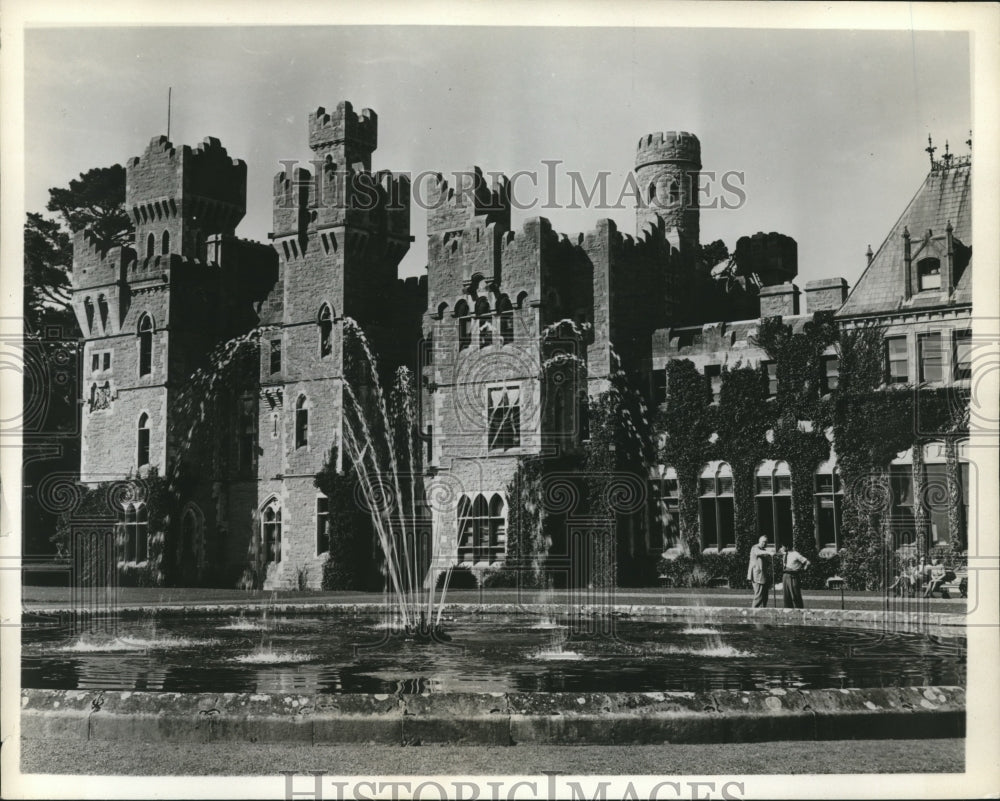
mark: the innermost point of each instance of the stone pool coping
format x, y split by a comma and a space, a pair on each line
935, 623
717, 716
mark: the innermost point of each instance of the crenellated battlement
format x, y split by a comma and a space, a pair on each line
343, 125
454, 204
204, 175
349, 136
668, 147
93, 265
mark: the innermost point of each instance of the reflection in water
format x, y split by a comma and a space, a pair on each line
488, 654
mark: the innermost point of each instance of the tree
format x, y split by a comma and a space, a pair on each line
713, 253
95, 202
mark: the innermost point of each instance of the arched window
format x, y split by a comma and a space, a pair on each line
142, 449
828, 494
271, 531
482, 529
165, 246
506, 321
186, 554
150, 246
129, 526
675, 193
145, 345
774, 503
485, 317
102, 307
325, 331
464, 325
715, 502
88, 309
652, 193
301, 422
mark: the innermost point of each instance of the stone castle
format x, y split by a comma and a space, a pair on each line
476, 331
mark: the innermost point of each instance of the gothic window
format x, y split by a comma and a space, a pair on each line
322, 518
136, 533
165, 246
828, 495
484, 317
774, 503
931, 357
301, 422
145, 345
715, 502
192, 530
102, 307
929, 274
142, 447
896, 355
504, 416
962, 359
506, 321
88, 308
482, 528
275, 366
247, 434
325, 331
150, 246
271, 532
464, 325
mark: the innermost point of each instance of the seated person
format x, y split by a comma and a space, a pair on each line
937, 578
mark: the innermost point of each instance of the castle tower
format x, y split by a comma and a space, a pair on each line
667, 167
179, 197
150, 317
340, 231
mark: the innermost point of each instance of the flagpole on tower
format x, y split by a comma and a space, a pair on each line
170, 90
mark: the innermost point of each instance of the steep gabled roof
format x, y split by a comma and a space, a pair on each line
945, 196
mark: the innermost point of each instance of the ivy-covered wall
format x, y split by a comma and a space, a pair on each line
869, 424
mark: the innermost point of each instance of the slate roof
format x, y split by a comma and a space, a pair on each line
945, 196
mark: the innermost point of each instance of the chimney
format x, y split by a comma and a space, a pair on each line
827, 294
780, 300
907, 264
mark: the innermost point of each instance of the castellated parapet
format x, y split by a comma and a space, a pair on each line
467, 196
203, 183
668, 147
353, 135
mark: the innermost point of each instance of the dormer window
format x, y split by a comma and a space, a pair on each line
929, 274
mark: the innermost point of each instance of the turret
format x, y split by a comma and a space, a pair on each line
666, 169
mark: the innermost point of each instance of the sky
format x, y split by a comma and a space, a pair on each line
828, 127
